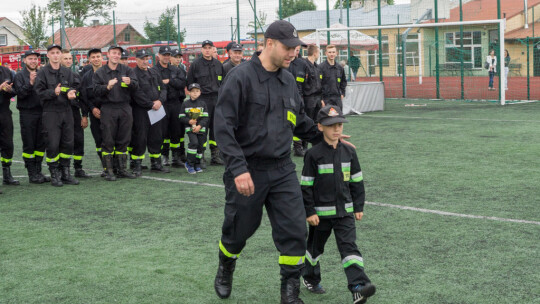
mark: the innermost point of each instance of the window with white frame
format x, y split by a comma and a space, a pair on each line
472, 47
3, 40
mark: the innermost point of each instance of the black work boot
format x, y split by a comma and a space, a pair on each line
33, 177
216, 158
122, 163
224, 276
8, 178
56, 179
182, 154
108, 168
39, 160
67, 179
290, 290
165, 160
103, 173
155, 165
176, 159
79, 172
136, 167
304, 146
115, 164
297, 148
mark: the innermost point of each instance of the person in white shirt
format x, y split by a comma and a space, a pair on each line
492, 61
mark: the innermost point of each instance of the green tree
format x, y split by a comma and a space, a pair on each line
158, 32
34, 24
261, 17
292, 7
78, 11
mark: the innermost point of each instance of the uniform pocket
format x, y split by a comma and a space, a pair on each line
256, 109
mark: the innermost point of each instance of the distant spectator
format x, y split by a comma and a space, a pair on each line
354, 62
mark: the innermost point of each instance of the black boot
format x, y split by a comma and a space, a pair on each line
165, 160
297, 148
216, 158
156, 165
290, 290
108, 168
79, 172
304, 146
224, 276
67, 179
56, 179
33, 177
115, 164
8, 178
39, 160
182, 154
122, 163
136, 167
203, 162
176, 159
103, 173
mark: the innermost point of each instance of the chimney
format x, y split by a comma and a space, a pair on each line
95, 22
370, 5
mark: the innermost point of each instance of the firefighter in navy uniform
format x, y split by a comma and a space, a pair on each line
150, 95
30, 112
235, 52
6, 125
208, 73
258, 111
333, 81
80, 121
299, 70
56, 87
113, 85
174, 80
312, 88
124, 58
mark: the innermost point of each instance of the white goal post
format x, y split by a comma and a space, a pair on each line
500, 22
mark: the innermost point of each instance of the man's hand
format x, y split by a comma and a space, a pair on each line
126, 80
358, 215
322, 104
7, 87
157, 105
342, 139
97, 113
244, 184
166, 81
33, 76
84, 122
111, 83
313, 220
5, 83
72, 94
197, 129
58, 89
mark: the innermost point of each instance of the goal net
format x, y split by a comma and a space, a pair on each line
428, 60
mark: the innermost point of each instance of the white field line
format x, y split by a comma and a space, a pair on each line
438, 212
435, 118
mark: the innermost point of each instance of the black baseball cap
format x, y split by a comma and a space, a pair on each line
330, 115
236, 47
176, 52
52, 46
229, 45
124, 55
285, 32
30, 53
94, 50
165, 50
141, 54
194, 86
207, 42
112, 47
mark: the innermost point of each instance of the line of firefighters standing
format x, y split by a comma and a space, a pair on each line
56, 104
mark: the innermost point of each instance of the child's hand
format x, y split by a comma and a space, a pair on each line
192, 122
358, 215
197, 129
313, 220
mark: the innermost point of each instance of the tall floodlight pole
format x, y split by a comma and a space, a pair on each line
380, 41
114, 27
62, 25
238, 20
437, 50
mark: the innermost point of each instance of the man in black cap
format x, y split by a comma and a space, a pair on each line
176, 59
173, 131
30, 112
258, 112
149, 96
6, 125
235, 58
208, 73
113, 84
124, 58
56, 87
92, 103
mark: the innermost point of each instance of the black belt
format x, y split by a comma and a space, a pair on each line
268, 163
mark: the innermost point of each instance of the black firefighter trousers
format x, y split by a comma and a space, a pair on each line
276, 188
345, 233
172, 129
116, 122
6, 137
59, 129
144, 134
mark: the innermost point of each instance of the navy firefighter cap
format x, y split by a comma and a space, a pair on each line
330, 115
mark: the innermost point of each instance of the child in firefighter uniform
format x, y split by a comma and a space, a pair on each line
194, 115
333, 192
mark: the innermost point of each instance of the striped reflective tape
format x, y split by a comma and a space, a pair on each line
326, 168
351, 260
39, 153
325, 211
346, 167
307, 181
349, 207
65, 156
154, 155
291, 260
26, 155
356, 178
311, 260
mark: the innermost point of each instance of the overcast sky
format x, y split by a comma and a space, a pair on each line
203, 19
